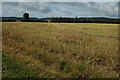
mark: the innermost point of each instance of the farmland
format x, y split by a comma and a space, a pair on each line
62, 50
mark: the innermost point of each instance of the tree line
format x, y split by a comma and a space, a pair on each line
64, 20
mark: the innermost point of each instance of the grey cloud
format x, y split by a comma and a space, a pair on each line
63, 8
96, 8
10, 3
105, 9
40, 7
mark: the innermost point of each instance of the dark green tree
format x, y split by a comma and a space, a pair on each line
26, 16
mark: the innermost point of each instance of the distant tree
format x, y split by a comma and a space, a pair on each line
26, 16
76, 19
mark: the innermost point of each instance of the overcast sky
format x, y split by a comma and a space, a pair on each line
66, 9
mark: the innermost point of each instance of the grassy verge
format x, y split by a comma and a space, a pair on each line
12, 69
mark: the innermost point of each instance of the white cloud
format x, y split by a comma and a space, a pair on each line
19, 9
62, 9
